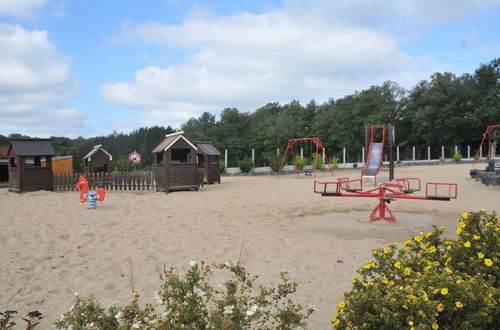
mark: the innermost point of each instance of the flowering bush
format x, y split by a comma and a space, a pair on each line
189, 302
7, 320
431, 283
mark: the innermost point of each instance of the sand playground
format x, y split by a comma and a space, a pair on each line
52, 246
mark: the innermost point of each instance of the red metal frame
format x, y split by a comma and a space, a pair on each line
291, 146
490, 145
372, 140
388, 192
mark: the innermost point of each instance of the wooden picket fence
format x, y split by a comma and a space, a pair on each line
141, 180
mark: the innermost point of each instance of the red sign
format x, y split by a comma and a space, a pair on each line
135, 157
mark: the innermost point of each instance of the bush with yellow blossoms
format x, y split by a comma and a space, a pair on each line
431, 283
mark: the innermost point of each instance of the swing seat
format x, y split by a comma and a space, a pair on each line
439, 198
388, 199
410, 191
353, 189
329, 193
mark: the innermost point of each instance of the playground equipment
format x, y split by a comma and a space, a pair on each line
319, 146
376, 151
387, 192
90, 198
486, 135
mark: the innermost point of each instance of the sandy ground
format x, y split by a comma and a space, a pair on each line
52, 247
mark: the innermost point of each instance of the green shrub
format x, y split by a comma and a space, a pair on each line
432, 282
222, 166
335, 162
319, 162
7, 319
355, 165
189, 302
457, 157
299, 162
245, 164
123, 164
274, 162
442, 159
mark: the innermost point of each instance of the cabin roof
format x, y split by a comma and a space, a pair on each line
170, 140
31, 147
207, 148
95, 150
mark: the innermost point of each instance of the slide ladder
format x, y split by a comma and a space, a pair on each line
375, 152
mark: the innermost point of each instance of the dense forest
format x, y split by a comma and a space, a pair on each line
444, 110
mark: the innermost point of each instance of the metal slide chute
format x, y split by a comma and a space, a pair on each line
375, 152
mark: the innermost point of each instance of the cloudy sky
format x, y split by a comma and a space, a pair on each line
88, 67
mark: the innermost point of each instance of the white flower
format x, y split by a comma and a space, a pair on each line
313, 307
136, 325
199, 292
71, 307
228, 309
165, 314
192, 263
76, 294
287, 271
251, 310
227, 264
118, 315
158, 298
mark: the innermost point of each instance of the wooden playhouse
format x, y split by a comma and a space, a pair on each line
30, 165
208, 161
98, 160
175, 164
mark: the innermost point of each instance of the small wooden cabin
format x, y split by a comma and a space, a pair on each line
208, 161
175, 164
4, 164
30, 165
98, 160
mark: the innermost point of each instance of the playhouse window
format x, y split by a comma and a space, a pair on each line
212, 159
35, 161
180, 156
159, 158
13, 162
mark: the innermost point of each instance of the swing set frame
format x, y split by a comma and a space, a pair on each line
291, 146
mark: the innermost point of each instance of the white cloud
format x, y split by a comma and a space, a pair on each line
21, 9
246, 60
35, 85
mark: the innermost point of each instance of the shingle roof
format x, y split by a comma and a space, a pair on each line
170, 139
207, 148
96, 149
32, 147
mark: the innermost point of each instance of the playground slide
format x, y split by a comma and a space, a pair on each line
375, 159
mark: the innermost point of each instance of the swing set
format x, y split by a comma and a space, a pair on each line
318, 145
486, 135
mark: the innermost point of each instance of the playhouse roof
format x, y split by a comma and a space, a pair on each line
207, 148
31, 147
95, 150
170, 140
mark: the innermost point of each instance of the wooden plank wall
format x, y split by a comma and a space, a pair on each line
143, 180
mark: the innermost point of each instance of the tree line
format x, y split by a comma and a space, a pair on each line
443, 110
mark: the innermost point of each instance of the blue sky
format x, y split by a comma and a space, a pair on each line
85, 67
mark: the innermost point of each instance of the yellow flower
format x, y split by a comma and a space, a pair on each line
341, 305
465, 215
449, 271
410, 322
461, 224
385, 280
488, 224
444, 291
458, 281
354, 279
480, 255
435, 291
369, 265
397, 264
467, 244
425, 297
448, 247
442, 228
407, 243
458, 231
440, 307
417, 239
374, 252
488, 262
476, 237
391, 282
407, 271
435, 326
459, 304
386, 250
435, 263
432, 249
335, 320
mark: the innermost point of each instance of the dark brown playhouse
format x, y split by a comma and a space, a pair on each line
175, 164
98, 160
208, 161
4, 164
30, 165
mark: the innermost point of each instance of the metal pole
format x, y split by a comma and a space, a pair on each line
302, 153
468, 152
225, 158
397, 154
428, 153
413, 153
363, 155
343, 156
253, 157
278, 152
456, 150
324, 158
442, 152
